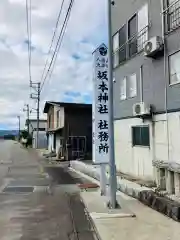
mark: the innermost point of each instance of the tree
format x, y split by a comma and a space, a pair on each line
24, 134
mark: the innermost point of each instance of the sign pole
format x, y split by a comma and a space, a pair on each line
100, 114
112, 180
103, 179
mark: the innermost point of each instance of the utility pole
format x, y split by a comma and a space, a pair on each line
38, 102
113, 180
19, 126
36, 96
27, 110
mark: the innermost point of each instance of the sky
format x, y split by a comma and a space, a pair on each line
71, 80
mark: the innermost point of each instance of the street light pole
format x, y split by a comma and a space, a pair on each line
113, 184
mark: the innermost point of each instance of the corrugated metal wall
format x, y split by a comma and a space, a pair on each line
42, 143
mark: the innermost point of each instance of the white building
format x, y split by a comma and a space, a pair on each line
146, 50
42, 142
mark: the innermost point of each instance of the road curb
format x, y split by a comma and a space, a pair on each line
93, 225
124, 186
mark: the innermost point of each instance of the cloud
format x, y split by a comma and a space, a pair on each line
72, 76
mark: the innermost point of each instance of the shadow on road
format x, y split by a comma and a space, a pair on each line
62, 175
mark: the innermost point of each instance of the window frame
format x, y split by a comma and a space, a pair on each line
124, 44
168, 13
119, 47
169, 67
125, 80
49, 121
127, 37
140, 30
58, 118
129, 86
141, 144
115, 51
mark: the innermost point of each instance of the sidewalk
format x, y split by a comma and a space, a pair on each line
147, 225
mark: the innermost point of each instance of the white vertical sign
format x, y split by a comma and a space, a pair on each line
100, 106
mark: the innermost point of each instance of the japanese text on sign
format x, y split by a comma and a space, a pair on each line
100, 107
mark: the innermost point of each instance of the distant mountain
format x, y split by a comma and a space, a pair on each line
8, 132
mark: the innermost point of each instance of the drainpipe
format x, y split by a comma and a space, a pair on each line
166, 73
141, 83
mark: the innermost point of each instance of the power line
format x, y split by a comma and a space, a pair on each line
54, 62
54, 34
60, 38
28, 23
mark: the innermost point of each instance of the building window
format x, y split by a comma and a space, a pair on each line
122, 44
58, 118
132, 31
173, 14
143, 23
128, 87
140, 136
132, 86
131, 38
174, 63
123, 89
115, 49
49, 121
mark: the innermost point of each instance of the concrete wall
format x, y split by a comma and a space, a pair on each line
172, 139
133, 160
164, 145
33, 125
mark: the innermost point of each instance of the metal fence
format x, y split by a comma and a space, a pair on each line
133, 46
77, 146
172, 16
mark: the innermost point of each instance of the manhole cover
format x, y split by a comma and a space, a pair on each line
18, 189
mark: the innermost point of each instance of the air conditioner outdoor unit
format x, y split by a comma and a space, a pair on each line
153, 46
140, 109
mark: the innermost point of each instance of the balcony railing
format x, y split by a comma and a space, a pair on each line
172, 16
133, 46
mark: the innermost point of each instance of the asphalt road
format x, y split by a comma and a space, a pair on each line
34, 207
